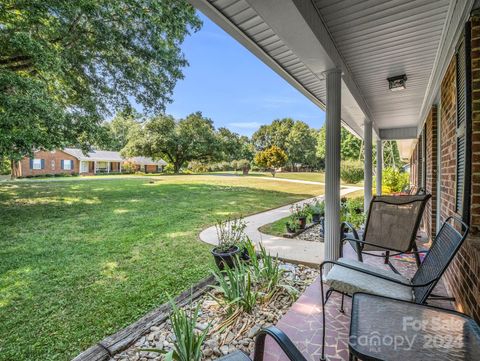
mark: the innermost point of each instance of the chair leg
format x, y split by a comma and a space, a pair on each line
341, 306
417, 256
387, 257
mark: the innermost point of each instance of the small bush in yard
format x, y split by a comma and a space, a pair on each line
351, 171
352, 211
395, 180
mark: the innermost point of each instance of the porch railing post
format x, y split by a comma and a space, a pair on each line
367, 137
332, 165
379, 166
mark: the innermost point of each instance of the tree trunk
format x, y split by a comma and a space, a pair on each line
273, 172
176, 168
14, 169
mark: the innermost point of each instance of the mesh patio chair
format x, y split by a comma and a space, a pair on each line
278, 336
348, 276
392, 226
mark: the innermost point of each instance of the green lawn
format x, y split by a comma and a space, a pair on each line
306, 176
80, 259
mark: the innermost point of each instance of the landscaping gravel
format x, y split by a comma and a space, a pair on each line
311, 234
223, 339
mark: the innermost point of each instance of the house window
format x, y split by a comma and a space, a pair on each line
463, 132
37, 164
67, 164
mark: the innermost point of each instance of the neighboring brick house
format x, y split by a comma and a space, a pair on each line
450, 147
74, 161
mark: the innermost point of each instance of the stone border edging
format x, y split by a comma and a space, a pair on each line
121, 340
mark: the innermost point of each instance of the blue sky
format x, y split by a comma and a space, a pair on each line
234, 88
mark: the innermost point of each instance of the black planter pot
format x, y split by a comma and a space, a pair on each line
316, 217
226, 258
244, 255
302, 222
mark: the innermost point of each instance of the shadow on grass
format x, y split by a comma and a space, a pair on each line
81, 260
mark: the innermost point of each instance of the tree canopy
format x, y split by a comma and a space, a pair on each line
114, 134
350, 146
233, 146
178, 142
295, 138
64, 65
271, 158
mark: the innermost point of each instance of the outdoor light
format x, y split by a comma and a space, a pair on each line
398, 82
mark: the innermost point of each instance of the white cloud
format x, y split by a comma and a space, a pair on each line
245, 125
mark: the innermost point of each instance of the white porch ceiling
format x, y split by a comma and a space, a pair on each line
370, 40
379, 39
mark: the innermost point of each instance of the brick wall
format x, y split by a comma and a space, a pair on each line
463, 275
52, 163
430, 215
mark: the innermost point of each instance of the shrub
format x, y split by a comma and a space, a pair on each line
352, 211
198, 167
169, 169
316, 207
351, 171
394, 180
5, 167
244, 165
128, 167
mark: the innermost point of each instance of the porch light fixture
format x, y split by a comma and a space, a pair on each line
396, 83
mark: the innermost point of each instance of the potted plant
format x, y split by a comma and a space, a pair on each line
292, 225
300, 214
317, 211
231, 236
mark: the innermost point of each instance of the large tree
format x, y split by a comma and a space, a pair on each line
233, 146
178, 142
301, 143
64, 65
114, 134
350, 146
275, 133
296, 138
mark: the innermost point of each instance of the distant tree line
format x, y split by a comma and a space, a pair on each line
285, 143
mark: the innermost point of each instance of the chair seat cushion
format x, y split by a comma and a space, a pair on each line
350, 281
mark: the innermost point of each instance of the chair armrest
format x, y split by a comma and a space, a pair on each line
351, 228
361, 270
281, 339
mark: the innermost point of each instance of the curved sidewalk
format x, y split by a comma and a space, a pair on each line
294, 250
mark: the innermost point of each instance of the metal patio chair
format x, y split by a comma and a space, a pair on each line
348, 276
278, 336
392, 226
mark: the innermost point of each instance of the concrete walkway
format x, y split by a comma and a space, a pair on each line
294, 250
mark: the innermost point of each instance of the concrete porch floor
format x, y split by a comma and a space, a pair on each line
303, 322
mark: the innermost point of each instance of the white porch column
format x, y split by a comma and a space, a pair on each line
367, 187
379, 166
108, 167
332, 165
95, 167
